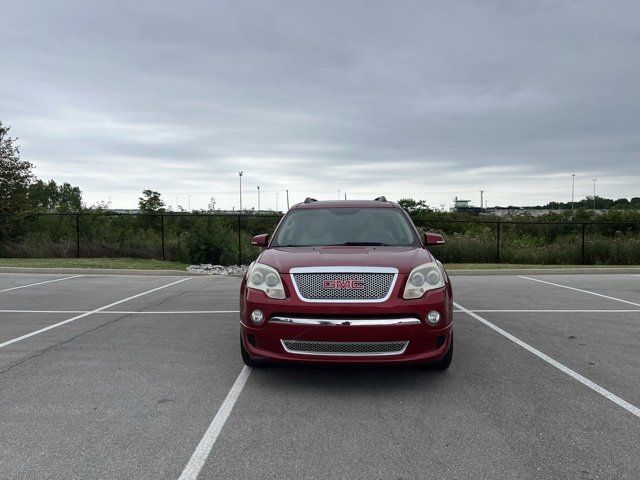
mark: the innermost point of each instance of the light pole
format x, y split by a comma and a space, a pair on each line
258, 197
240, 176
594, 192
573, 189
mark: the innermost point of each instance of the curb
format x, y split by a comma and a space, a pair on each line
101, 271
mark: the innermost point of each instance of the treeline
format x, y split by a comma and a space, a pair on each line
419, 211
600, 204
20, 191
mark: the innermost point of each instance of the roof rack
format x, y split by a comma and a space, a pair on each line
310, 200
381, 198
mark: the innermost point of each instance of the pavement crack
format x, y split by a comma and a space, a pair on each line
75, 337
60, 344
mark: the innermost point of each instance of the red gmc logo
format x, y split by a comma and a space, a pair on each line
343, 284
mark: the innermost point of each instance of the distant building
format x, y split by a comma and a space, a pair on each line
124, 211
514, 212
460, 205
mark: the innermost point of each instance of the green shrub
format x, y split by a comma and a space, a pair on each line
200, 238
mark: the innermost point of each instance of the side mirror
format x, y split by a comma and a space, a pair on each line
433, 239
260, 240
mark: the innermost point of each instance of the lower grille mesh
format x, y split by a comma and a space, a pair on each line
345, 348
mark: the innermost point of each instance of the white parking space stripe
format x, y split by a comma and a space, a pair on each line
86, 314
202, 451
214, 312
122, 312
43, 311
554, 311
177, 312
39, 283
563, 368
581, 290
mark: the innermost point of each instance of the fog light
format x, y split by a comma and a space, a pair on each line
433, 317
257, 316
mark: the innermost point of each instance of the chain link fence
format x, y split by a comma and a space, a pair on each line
226, 238
189, 238
543, 243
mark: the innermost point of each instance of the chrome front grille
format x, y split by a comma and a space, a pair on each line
307, 347
357, 285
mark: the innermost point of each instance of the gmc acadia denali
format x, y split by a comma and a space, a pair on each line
346, 282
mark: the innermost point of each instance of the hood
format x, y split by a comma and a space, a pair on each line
402, 258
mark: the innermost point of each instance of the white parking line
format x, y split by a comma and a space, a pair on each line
44, 311
131, 312
39, 283
202, 451
214, 312
554, 311
581, 290
86, 314
563, 368
177, 312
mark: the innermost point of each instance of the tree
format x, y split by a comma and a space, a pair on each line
50, 196
150, 202
15, 174
69, 198
413, 206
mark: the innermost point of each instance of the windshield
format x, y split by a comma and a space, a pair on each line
345, 226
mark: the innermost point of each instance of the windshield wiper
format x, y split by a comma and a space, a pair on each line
360, 244
293, 245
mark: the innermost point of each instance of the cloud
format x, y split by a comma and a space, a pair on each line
412, 98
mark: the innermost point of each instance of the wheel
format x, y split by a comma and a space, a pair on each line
446, 360
246, 358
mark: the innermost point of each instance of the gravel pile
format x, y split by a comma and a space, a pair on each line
208, 269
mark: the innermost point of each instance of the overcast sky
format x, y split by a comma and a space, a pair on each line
421, 99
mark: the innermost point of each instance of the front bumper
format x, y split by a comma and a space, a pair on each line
395, 320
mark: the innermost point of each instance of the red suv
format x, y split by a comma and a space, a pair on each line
346, 282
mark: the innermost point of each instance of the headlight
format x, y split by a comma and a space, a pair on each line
265, 278
421, 279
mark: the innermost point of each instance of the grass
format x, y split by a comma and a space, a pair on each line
499, 266
117, 263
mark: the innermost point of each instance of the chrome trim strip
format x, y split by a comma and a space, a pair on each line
346, 322
343, 269
356, 354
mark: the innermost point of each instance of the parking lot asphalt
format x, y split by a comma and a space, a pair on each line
110, 377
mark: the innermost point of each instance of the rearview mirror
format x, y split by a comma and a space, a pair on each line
260, 240
433, 239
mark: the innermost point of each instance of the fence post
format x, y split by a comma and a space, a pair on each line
239, 241
77, 235
162, 234
498, 242
584, 257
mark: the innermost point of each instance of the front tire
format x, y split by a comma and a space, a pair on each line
246, 358
446, 360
